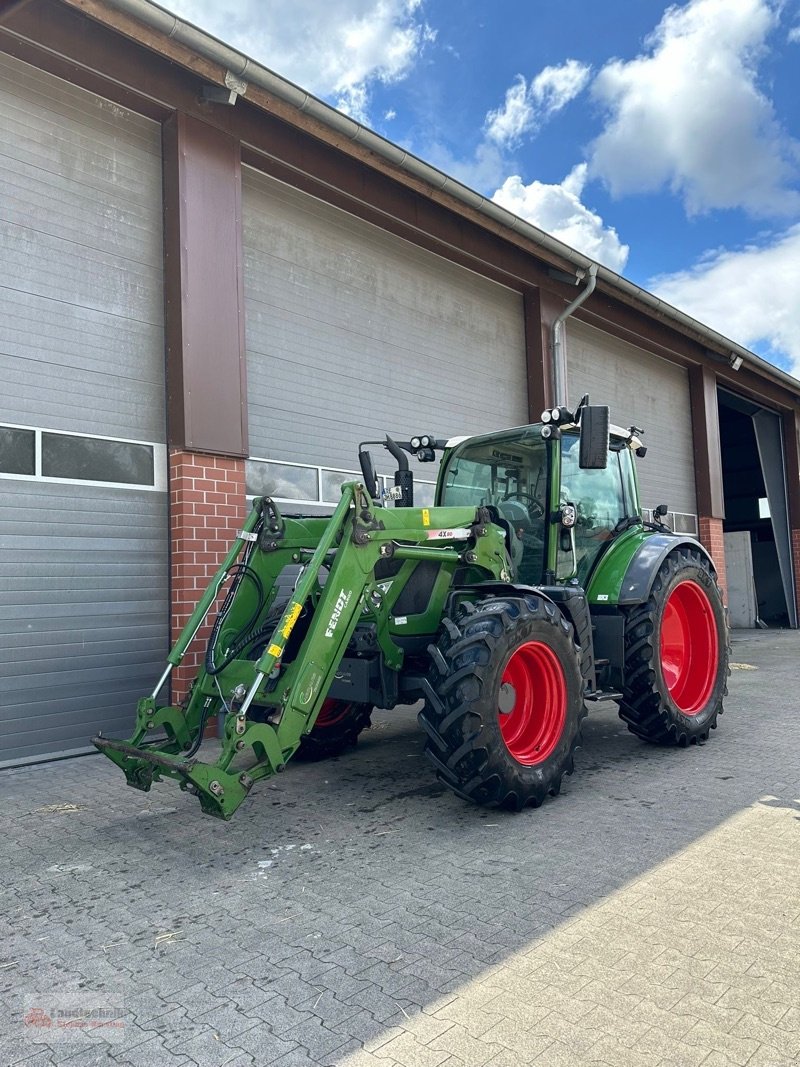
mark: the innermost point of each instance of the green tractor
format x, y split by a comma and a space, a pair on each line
532, 589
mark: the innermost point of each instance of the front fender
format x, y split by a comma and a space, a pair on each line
625, 574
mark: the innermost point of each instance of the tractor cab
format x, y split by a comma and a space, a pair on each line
561, 489
509, 473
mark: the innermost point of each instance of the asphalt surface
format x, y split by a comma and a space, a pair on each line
356, 913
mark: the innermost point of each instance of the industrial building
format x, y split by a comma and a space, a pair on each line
213, 285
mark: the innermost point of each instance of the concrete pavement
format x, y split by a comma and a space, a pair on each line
355, 913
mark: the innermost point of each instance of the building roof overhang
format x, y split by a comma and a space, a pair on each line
200, 52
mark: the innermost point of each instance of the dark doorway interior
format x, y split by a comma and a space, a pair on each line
750, 504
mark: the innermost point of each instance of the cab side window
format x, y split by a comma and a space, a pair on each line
600, 502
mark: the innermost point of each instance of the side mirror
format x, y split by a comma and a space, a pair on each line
594, 438
368, 474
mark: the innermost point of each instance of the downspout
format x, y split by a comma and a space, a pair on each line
557, 341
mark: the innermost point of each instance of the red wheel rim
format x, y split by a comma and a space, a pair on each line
332, 712
689, 647
532, 706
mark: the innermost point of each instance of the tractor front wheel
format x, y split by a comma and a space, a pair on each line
676, 654
505, 718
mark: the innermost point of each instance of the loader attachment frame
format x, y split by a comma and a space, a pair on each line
271, 701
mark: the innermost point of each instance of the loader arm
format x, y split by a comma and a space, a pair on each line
271, 701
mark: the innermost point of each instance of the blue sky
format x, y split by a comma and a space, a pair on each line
662, 140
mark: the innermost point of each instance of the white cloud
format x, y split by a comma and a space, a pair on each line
527, 107
794, 35
749, 295
689, 113
558, 210
334, 48
508, 123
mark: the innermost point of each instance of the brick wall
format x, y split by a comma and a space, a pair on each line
711, 537
207, 508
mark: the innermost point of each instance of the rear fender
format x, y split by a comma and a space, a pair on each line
626, 573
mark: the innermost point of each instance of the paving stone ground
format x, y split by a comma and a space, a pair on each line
355, 913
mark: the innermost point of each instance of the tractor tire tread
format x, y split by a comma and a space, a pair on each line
463, 744
644, 708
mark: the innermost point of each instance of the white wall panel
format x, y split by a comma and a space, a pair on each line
641, 390
353, 332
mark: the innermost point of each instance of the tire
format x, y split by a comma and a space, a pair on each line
676, 654
337, 728
504, 719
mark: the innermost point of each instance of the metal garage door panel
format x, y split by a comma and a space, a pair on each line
352, 332
641, 390
81, 286
84, 603
83, 568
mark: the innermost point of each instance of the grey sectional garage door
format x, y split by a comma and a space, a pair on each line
645, 391
353, 332
83, 507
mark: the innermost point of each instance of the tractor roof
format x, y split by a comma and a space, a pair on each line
618, 432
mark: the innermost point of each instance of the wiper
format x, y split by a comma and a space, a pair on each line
626, 524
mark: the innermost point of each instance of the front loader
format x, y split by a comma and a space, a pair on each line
531, 590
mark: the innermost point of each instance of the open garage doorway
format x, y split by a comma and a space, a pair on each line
758, 550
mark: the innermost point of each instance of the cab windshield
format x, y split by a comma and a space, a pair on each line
508, 473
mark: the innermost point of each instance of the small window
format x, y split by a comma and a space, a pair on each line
684, 523
281, 480
95, 459
424, 493
332, 482
17, 451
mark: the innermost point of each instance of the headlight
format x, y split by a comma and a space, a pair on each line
569, 516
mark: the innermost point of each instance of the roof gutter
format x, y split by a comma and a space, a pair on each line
242, 67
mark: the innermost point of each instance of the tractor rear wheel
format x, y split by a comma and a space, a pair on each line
676, 654
504, 721
337, 728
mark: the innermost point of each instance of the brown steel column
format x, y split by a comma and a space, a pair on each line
542, 308
206, 384
705, 431
708, 466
